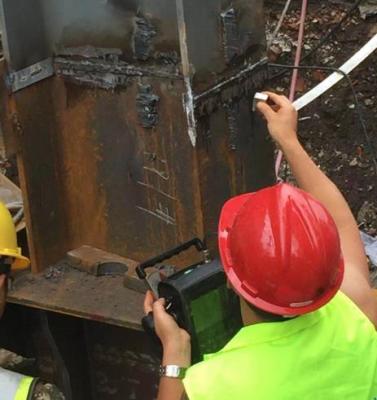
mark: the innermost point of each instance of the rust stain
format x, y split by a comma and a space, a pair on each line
84, 199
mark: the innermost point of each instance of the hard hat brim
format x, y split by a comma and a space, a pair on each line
20, 261
228, 215
230, 211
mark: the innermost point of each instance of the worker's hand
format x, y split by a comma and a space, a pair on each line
3, 293
175, 341
281, 119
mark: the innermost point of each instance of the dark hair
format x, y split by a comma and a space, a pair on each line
267, 316
5, 266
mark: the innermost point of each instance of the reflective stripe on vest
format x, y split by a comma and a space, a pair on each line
14, 386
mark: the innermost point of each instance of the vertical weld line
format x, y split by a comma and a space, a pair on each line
186, 69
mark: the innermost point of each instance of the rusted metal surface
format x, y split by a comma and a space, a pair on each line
65, 290
92, 260
37, 27
207, 36
39, 170
87, 360
116, 169
122, 364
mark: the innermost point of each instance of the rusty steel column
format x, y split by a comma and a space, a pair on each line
133, 119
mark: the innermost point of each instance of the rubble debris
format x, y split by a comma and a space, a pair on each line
336, 126
367, 217
368, 8
370, 244
280, 44
9, 359
47, 391
368, 102
54, 273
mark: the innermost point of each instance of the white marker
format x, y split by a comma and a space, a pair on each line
259, 97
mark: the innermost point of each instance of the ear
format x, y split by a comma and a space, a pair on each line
231, 287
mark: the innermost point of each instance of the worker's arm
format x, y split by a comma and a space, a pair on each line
282, 125
176, 347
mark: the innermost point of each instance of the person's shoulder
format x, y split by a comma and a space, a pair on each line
344, 307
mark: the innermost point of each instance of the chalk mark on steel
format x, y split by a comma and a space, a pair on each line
160, 213
162, 174
149, 186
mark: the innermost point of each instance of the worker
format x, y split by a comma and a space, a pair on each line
295, 258
14, 386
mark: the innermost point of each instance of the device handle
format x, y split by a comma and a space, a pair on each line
140, 269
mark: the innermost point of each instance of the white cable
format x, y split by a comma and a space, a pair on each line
19, 206
334, 78
278, 26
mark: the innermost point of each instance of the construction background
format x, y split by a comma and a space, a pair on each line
80, 328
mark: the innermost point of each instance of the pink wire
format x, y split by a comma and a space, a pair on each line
292, 91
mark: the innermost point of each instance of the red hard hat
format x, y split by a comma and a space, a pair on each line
281, 250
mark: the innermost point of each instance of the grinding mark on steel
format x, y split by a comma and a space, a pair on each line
102, 81
160, 213
231, 36
142, 43
232, 93
188, 98
167, 57
232, 113
107, 74
237, 78
188, 103
147, 103
90, 52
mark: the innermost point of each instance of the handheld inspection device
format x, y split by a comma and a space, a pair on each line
198, 299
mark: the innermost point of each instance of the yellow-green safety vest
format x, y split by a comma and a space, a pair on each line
15, 386
330, 354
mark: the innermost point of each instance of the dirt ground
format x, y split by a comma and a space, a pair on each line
329, 127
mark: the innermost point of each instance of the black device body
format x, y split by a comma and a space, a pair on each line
201, 302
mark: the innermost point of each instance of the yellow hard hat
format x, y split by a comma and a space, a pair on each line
8, 240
